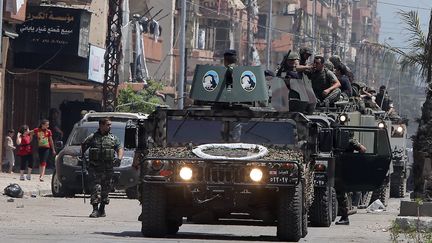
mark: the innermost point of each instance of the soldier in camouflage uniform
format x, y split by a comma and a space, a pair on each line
342, 196
102, 144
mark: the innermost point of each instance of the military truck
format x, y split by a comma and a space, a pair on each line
324, 207
223, 157
351, 114
397, 129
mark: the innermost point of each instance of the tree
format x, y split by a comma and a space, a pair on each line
420, 56
144, 101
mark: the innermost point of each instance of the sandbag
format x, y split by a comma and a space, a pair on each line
14, 190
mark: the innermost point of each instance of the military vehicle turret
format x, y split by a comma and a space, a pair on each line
223, 156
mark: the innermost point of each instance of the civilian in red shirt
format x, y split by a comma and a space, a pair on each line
45, 144
23, 140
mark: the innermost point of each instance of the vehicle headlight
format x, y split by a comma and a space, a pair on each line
343, 118
381, 125
256, 174
399, 129
186, 173
126, 162
70, 160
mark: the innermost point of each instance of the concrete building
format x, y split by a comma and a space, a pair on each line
365, 33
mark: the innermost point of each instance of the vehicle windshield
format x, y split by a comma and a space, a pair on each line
83, 131
211, 131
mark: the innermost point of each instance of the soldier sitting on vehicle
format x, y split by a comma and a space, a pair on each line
305, 53
383, 100
337, 62
324, 82
342, 197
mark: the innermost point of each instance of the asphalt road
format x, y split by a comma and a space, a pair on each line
47, 219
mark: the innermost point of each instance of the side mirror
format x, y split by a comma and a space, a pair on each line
342, 139
59, 145
131, 135
325, 139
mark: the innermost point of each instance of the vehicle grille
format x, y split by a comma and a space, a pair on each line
225, 174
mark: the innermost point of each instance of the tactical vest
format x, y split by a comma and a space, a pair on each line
102, 148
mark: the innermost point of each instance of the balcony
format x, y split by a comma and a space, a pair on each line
152, 48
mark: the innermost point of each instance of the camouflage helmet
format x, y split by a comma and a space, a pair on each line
335, 59
329, 66
293, 56
306, 50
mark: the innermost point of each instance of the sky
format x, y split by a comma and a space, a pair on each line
392, 29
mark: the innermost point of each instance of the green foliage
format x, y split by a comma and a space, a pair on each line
144, 101
416, 56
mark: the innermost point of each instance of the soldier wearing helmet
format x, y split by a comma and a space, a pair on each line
305, 54
230, 61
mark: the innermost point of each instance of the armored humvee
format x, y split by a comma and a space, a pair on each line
224, 157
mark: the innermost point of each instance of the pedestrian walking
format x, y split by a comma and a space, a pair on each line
45, 144
9, 158
23, 141
102, 144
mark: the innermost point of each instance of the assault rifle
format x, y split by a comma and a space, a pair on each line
83, 174
282, 66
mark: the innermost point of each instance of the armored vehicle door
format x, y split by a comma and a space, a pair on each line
361, 171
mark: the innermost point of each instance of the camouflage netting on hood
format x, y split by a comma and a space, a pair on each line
185, 152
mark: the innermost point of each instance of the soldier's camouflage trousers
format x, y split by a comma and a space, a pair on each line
100, 183
333, 96
342, 199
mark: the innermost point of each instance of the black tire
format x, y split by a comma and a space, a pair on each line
132, 192
57, 189
154, 222
321, 209
382, 193
334, 204
173, 225
397, 186
290, 204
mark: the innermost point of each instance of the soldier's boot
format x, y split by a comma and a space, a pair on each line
102, 210
95, 212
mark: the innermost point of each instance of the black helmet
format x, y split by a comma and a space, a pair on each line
230, 52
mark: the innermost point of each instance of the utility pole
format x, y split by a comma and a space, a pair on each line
314, 8
269, 33
182, 52
113, 54
249, 36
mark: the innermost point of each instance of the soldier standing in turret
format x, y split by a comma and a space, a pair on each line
102, 144
230, 61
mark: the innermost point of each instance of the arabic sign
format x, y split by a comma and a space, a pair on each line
96, 70
50, 30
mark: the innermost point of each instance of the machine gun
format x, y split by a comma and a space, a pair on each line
282, 66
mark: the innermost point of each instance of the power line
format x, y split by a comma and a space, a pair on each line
404, 6
341, 44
